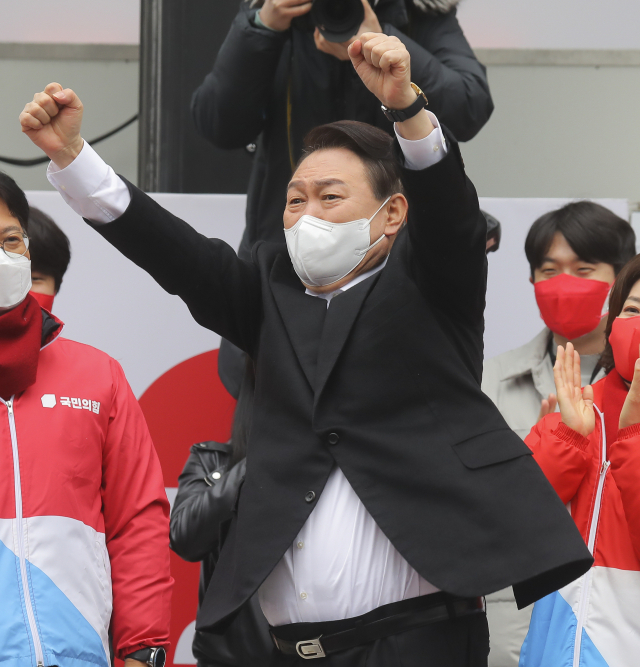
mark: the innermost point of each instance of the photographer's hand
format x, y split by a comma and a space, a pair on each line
340, 49
278, 14
384, 65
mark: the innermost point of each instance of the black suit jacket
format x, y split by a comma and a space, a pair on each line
392, 372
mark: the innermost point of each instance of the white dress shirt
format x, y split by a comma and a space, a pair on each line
341, 564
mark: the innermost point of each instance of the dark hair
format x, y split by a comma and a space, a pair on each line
372, 145
623, 285
15, 200
594, 233
243, 415
49, 246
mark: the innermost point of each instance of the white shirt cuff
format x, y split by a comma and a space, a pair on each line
91, 187
426, 152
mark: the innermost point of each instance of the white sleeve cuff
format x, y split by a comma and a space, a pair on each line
426, 152
91, 187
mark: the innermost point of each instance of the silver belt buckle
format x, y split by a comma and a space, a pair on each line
310, 649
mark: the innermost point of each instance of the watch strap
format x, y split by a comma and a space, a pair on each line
149, 656
400, 115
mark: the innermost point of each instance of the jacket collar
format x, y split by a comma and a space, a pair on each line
526, 359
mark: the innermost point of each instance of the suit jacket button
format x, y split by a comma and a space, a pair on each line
310, 497
333, 438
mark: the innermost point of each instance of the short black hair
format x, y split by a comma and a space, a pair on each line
15, 199
594, 233
49, 246
371, 144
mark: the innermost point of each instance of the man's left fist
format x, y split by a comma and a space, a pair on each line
384, 65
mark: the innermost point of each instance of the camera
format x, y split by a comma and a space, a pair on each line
337, 20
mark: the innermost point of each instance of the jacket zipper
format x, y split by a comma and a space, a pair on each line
20, 530
593, 529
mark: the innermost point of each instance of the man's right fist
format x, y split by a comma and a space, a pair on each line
52, 121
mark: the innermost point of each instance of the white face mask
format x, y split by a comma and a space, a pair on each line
15, 279
324, 252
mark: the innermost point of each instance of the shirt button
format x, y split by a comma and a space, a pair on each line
333, 438
310, 497
436, 149
300, 545
216, 475
303, 595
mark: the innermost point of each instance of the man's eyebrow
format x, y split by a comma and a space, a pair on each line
10, 228
320, 183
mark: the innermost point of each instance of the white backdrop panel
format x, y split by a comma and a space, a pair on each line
107, 302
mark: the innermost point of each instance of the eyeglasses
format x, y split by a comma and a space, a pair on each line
15, 245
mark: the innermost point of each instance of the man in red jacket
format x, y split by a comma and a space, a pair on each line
84, 518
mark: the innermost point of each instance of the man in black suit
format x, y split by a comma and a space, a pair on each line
384, 492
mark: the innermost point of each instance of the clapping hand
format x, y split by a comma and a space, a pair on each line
576, 404
630, 413
547, 406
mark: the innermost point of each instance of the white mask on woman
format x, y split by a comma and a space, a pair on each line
15, 279
324, 252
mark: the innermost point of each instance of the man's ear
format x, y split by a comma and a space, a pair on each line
398, 209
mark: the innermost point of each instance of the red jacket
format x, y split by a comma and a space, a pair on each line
77, 465
598, 478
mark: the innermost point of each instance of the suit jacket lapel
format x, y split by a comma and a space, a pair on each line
341, 316
303, 316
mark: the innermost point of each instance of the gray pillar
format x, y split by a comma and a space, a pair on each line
178, 45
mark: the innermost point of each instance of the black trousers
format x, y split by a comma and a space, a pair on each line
461, 642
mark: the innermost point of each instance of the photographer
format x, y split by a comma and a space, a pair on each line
276, 77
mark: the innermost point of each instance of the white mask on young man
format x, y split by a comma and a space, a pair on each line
15, 279
324, 252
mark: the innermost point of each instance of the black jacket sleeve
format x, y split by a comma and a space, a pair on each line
200, 509
222, 291
230, 106
448, 236
445, 67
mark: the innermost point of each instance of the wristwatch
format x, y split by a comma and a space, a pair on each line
154, 657
396, 116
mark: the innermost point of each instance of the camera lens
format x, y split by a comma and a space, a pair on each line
337, 20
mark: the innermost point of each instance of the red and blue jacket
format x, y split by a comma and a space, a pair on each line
594, 621
84, 518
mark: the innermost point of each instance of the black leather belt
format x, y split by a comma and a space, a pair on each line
382, 622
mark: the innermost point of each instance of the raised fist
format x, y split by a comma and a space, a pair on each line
52, 121
384, 65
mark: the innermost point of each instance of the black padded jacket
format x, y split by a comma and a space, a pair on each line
207, 492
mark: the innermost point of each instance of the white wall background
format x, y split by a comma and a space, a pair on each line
70, 21
524, 24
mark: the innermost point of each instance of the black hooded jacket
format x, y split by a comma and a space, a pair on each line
273, 87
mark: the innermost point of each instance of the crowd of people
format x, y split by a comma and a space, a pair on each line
388, 497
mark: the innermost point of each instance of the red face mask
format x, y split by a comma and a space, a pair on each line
625, 343
44, 300
571, 306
